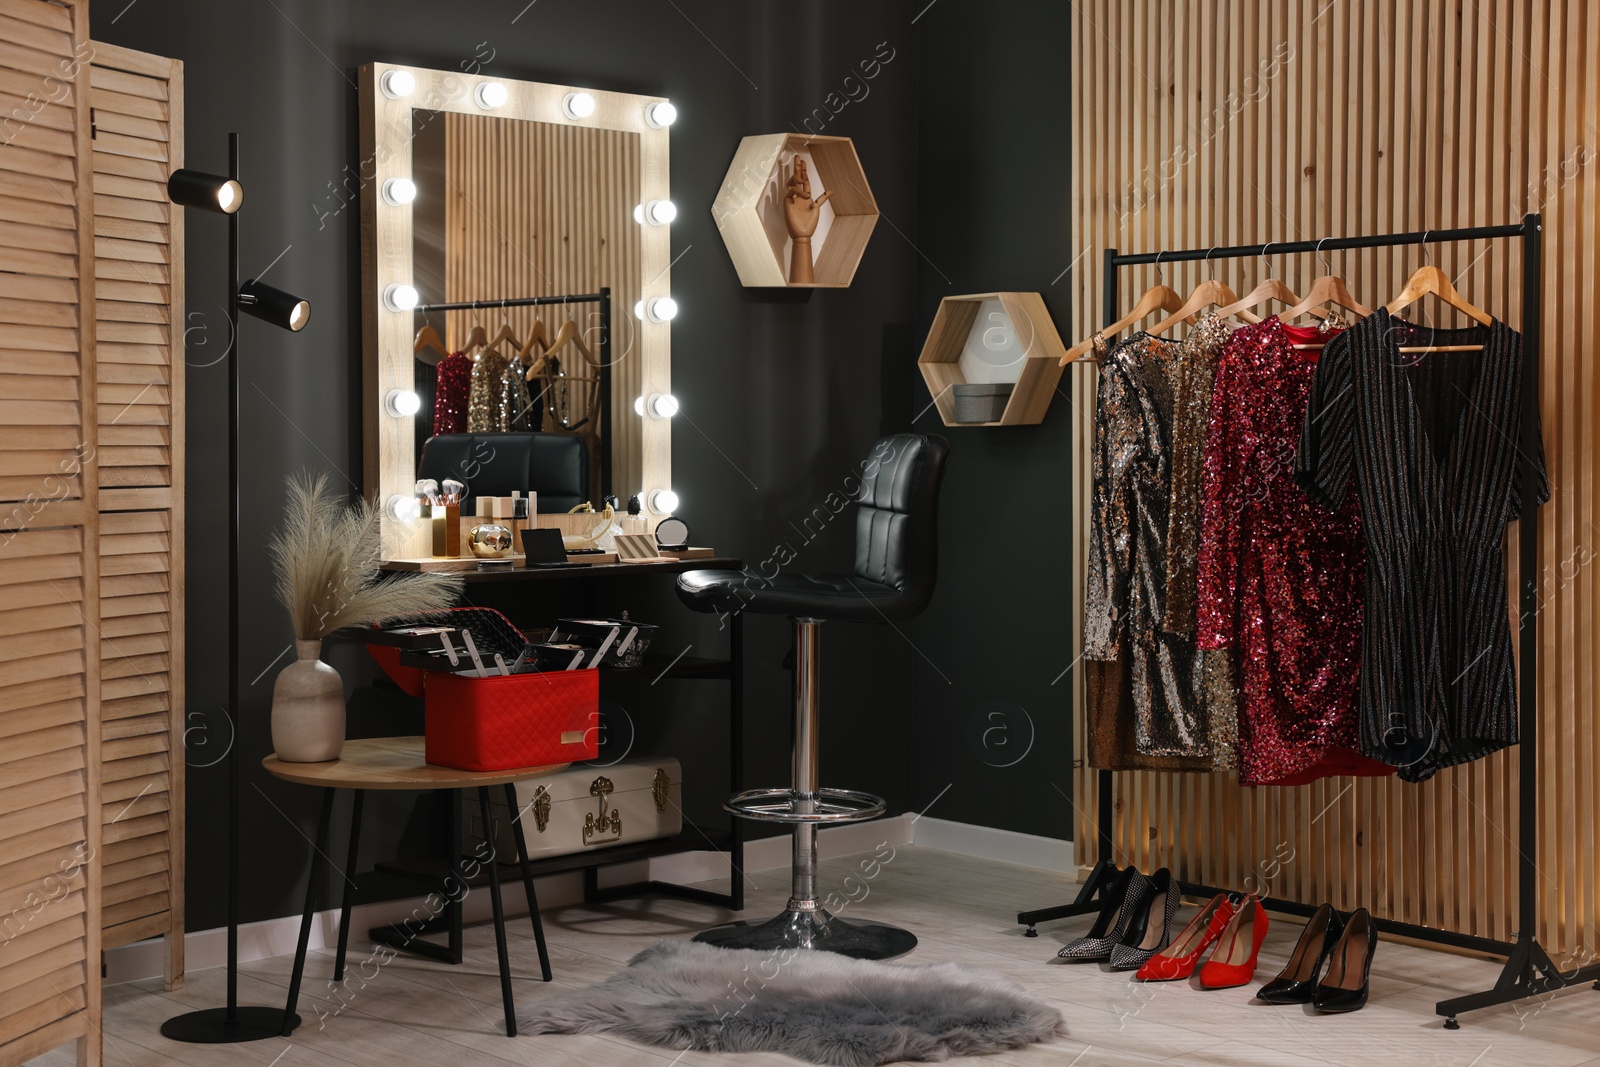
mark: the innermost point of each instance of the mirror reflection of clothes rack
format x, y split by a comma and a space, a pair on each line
555, 378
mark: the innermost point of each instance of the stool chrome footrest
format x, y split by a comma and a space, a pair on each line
814, 929
823, 806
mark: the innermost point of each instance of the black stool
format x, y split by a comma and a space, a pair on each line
896, 561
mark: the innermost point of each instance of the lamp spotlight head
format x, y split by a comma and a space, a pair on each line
209, 192
284, 310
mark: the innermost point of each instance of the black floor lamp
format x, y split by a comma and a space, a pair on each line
191, 188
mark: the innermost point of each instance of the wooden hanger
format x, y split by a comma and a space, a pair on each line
428, 340
477, 340
1159, 297
535, 337
505, 336
1431, 281
1270, 288
570, 334
1209, 293
1328, 289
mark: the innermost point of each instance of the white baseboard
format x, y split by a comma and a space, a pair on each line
278, 937
986, 842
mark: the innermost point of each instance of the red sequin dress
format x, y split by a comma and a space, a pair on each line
452, 393
1280, 578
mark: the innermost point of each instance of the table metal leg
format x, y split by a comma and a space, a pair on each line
527, 879
317, 851
493, 863
349, 884
452, 908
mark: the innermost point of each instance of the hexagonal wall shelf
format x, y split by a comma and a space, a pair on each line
749, 209
991, 338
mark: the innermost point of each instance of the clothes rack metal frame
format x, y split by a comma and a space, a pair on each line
603, 298
1529, 971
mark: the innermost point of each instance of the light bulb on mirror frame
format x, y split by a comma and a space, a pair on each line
400, 297
577, 105
403, 508
656, 309
656, 213
397, 84
663, 501
397, 192
659, 405
660, 115
402, 403
490, 95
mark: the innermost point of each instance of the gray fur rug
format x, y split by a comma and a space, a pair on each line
815, 1006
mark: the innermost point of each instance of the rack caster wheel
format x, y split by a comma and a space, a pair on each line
1451, 1024
1596, 987
1031, 932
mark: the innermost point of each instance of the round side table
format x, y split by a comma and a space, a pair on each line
399, 763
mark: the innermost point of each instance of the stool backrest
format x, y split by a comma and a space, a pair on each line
897, 523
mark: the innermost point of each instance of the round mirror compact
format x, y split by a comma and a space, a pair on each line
672, 532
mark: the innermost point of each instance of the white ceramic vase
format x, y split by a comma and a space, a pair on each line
308, 708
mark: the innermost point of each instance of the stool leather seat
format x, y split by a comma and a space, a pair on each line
842, 597
896, 549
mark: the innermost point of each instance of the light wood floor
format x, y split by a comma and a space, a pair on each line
422, 1014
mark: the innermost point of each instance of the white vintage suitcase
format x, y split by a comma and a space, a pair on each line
589, 808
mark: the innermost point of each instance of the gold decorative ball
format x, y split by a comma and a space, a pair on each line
490, 541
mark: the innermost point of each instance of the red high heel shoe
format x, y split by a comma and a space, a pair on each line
1234, 961
1180, 958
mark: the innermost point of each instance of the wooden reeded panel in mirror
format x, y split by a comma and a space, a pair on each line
512, 202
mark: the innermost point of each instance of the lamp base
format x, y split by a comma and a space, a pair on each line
212, 1026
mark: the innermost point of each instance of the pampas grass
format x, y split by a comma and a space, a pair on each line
326, 558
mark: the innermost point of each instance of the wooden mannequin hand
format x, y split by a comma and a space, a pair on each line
800, 212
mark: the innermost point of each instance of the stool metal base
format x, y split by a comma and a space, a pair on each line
788, 806
816, 930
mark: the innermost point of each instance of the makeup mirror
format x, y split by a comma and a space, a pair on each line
516, 234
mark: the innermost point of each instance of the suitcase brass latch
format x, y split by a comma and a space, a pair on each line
661, 789
541, 808
607, 822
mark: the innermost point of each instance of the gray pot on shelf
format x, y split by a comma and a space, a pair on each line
981, 402
308, 708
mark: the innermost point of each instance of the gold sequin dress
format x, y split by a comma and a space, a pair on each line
499, 399
1197, 367
1149, 694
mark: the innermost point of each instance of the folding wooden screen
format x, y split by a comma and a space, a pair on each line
1246, 121
138, 140
50, 801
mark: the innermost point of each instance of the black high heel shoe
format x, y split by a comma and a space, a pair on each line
1124, 887
1297, 981
1149, 928
1344, 987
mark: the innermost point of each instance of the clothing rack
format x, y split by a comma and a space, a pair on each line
603, 298
1529, 971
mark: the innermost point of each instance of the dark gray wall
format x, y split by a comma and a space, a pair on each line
993, 215
782, 392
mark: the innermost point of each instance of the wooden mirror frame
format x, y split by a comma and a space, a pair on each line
641, 369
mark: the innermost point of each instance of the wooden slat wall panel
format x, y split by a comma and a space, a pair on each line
572, 233
138, 107
1245, 121
50, 865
